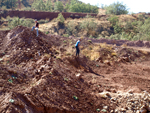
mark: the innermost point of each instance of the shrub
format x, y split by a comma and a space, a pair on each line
77, 6
65, 35
15, 21
3, 8
117, 28
71, 28
60, 19
116, 36
42, 21
113, 20
88, 25
39, 5
58, 6
116, 9
47, 32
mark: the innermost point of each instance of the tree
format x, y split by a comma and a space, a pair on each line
58, 6
25, 3
60, 19
2, 2
48, 5
116, 9
10, 4
38, 5
76, 6
66, 8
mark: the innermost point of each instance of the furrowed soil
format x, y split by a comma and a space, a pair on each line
42, 75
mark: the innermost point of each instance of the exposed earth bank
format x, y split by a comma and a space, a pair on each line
42, 75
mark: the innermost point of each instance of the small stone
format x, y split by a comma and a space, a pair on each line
98, 110
138, 111
130, 91
11, 101
78, 75
104, 110
105, 107
111, 111
122, 109
116, 110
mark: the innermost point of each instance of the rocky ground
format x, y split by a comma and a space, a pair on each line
42, 75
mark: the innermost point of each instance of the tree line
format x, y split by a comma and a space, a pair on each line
115, 8
73, 6
40, 5
9, 4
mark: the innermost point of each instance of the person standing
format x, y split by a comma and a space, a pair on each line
36, 27
77, 47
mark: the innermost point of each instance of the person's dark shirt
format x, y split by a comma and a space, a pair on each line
37, 24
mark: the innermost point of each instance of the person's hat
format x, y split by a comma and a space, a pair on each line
35, 19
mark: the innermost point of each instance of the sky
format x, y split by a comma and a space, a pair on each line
134, 6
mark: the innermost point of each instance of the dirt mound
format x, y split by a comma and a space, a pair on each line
35, 78
32, 79
21, 44
54, 88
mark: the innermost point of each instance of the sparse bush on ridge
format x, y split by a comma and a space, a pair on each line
42, 21
60, 19
90, 26
58, 6
113, 20
71, 28
116, 8
19, 21
15, 21
8, 4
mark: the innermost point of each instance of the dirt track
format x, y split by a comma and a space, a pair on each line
37, 76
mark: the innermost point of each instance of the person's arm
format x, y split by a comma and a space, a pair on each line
78, 45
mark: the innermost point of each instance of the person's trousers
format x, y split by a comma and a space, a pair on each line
77, 51
37, 32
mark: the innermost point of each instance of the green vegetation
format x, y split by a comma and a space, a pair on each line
15, 21
73, 6
90, 26
42, 21
71, 28
40, 5
77, 6
58, 6
131, 30
9, 4
116, 9
48, 5
116, 26
60, 19
47, 32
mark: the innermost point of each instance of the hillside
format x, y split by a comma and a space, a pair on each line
27, 3
118, 27
42, 75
